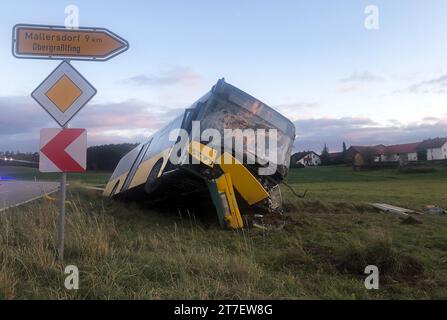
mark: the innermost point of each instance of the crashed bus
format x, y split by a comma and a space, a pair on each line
193, 159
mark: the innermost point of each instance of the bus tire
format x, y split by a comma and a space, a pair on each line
152, 182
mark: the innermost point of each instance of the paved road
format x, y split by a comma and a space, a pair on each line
15, 193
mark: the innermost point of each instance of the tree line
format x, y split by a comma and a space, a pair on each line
336, 158
17, 158
99, 158
107, 157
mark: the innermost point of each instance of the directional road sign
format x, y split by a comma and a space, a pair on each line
64, 93
54, 42
63, 150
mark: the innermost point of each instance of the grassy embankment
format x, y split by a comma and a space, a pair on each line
125, 252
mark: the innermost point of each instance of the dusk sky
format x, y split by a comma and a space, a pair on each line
314, 61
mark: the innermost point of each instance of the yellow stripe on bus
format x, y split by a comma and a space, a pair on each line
233, 218
145, 169
245, 183
203, 153
112, 184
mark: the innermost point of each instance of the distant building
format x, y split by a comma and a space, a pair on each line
401, 152
337, 158
360, 156
427, 150
433, 149
364, 155
306, 159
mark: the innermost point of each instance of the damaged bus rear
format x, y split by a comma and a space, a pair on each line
228, 149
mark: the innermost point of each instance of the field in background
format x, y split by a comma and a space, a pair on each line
126, 252
22, 173
341, 183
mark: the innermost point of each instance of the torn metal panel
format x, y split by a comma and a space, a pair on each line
393, 209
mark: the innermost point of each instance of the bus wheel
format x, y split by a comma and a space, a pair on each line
152, 181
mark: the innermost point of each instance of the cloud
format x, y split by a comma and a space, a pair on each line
135, 120
298, 105
129, 121
171, 77
312, 134
291, 108
436, 85
361, 77
20, 115
358, 81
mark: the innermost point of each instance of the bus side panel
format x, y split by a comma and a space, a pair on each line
111, 185
121, 171
145, 168
160, 148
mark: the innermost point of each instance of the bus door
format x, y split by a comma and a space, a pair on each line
135, 165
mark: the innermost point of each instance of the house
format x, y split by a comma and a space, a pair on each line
363, 155
336, 158
306, 159
401, 152
430, 149
433, 149
360, 156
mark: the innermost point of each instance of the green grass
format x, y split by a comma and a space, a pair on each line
341, 183
23, 173
124, 252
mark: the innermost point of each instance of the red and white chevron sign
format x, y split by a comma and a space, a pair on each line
63, 150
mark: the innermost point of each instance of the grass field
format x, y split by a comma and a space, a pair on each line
124, 252
343, 184
22, 173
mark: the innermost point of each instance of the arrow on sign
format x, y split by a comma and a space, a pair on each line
63, 150
53, 42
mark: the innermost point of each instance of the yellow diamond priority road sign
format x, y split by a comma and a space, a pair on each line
64, 93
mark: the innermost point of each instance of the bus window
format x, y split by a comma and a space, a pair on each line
136, 164
161, 141
126, 163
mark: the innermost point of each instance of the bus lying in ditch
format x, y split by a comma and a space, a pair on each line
228, 150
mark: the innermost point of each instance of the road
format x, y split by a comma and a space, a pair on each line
16, 193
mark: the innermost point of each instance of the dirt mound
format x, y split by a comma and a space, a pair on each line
317, 206
391, 263
411, 220
270, 221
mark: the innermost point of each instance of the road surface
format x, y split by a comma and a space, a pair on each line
16, 193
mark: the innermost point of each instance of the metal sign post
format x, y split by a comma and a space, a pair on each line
63, 196
64, 93
63, 150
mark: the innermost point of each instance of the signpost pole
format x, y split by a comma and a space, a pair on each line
62, 217
63, 197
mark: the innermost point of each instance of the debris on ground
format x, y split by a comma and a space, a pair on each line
96, 191
393, 209
435, 210
266, 222
411, 220
258, 226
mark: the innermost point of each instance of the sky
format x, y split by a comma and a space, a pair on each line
313, 60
